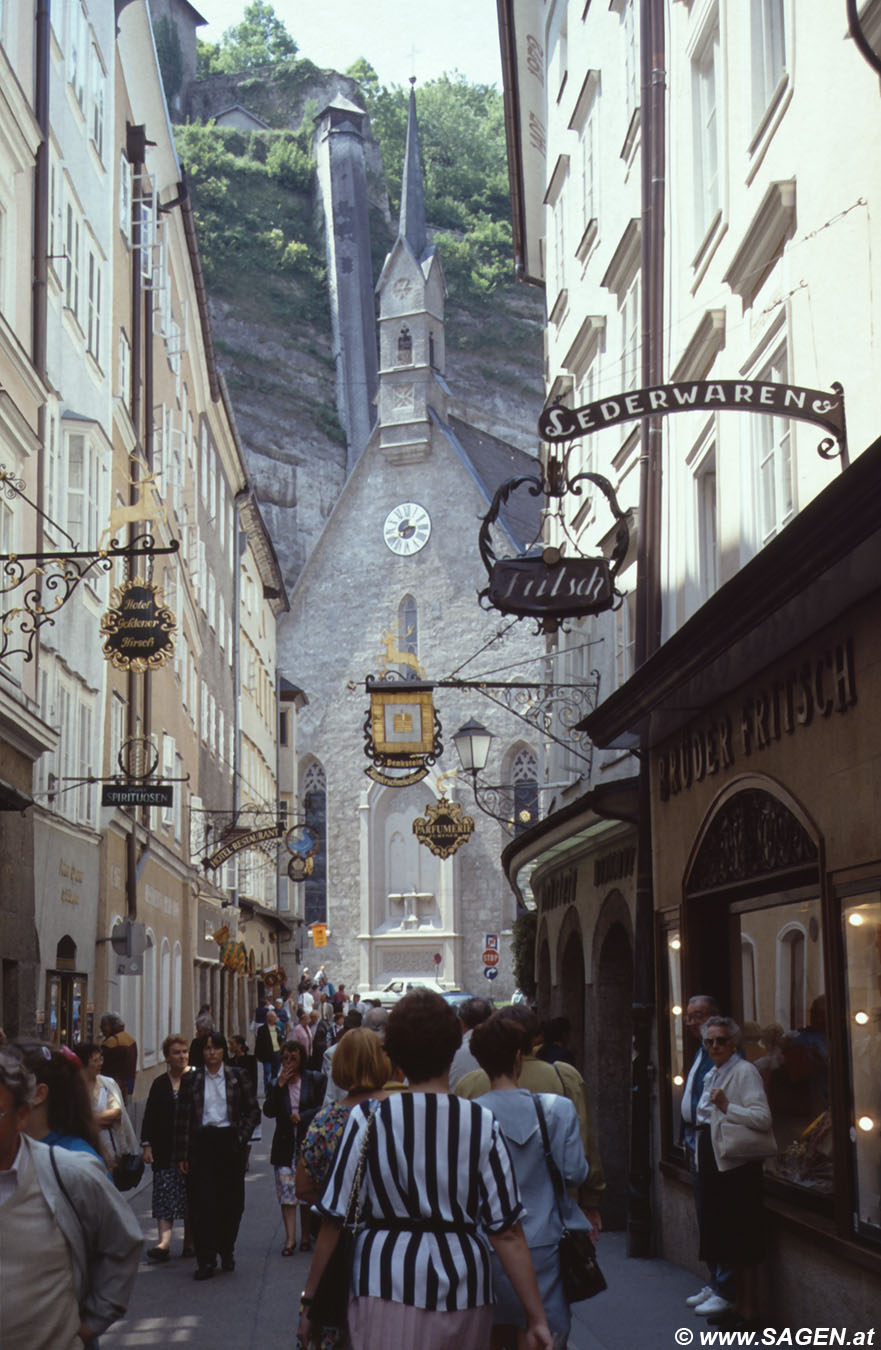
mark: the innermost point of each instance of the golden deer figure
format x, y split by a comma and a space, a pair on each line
394, 657
143, 509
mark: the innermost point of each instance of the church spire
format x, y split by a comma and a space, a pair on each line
412, 223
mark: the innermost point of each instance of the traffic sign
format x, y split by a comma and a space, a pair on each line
492, 941
490, 958
438, 958
490, 972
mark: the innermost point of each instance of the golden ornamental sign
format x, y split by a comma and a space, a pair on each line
139, 629
443, 829
401, 731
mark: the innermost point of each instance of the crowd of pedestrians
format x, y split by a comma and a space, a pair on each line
434, 1155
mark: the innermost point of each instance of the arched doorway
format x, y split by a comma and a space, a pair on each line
571, 985
614, 993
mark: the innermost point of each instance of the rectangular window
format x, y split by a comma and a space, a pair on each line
168, 771
125, 197
631, 61
589, 168
124, 370
85, 791
84, 491
212, 600
707, 536
221, 619
767, 54
772, 458
705, 134
93, 317
78, 52
72, 260
56, 232
559, 243
630, 336
97, 127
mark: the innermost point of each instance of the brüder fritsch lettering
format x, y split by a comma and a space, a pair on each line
814, 689
783, 400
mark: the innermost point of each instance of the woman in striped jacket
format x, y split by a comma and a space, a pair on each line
437, 1192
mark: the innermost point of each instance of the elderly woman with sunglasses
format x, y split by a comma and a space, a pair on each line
734, 1135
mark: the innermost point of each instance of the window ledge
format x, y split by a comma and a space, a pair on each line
628, 149
587, 240
768, 124
560, 305
764, 241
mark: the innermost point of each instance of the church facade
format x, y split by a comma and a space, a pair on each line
391, 590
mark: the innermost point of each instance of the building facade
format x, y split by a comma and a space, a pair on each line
749, 707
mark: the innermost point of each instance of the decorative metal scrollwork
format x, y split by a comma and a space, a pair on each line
545, 583
53, 578
753, 836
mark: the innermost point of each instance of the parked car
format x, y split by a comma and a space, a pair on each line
456, 996
390, 993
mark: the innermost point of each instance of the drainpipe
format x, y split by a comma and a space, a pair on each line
136, 143
648, 611
40, 292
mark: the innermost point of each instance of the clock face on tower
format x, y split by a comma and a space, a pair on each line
406, 529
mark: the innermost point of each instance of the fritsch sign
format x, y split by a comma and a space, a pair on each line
533, 588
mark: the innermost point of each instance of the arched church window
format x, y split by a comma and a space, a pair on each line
405, 347
408, 636
524, 776
431, 361
315, 816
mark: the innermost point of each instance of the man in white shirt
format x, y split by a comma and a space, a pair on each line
216, 1115
471, 1013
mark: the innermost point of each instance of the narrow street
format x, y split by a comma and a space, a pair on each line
256, 1305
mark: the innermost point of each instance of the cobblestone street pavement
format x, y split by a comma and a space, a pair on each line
256, 1305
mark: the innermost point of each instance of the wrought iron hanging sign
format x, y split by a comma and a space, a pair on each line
443, 829
822, 407
139, 628
302, 842
401, 732
544, 583
236, 840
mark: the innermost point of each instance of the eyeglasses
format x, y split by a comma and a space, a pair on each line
716, 1040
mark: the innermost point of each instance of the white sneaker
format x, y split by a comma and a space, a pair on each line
714, 1304
695, 1299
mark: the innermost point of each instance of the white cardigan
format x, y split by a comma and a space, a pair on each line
747, 1104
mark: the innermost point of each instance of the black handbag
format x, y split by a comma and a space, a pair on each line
331, 1298
127, 1171
579, 1269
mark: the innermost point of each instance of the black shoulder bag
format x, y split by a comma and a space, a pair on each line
581, 1275
331, 1299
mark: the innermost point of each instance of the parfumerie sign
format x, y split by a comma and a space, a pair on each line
139, 628
758, 396
817, 688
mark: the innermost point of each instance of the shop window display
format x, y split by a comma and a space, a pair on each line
861, 916
786, 1039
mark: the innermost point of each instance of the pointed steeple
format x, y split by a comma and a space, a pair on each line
412, 223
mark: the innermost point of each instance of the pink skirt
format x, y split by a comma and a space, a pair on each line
378, 1324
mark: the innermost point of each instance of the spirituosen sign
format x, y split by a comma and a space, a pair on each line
822, 407
139, 628
137, 794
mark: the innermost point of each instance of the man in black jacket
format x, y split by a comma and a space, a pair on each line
216, 1115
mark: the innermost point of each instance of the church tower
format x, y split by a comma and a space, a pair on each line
342, 179
411, 292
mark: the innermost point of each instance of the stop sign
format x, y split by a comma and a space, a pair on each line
490, 958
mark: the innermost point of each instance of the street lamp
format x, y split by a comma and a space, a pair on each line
472, 742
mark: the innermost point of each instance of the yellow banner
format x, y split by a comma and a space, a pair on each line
319, 935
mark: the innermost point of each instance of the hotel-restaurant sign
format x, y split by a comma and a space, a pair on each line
820, 686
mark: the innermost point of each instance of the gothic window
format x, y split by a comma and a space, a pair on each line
524, 776
405, 347
432, 359
408, 636
315, 815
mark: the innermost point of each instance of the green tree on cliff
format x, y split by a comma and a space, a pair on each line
261, 39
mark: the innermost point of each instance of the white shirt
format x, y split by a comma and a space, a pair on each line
11, 1179
214, 1111
307, 1000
